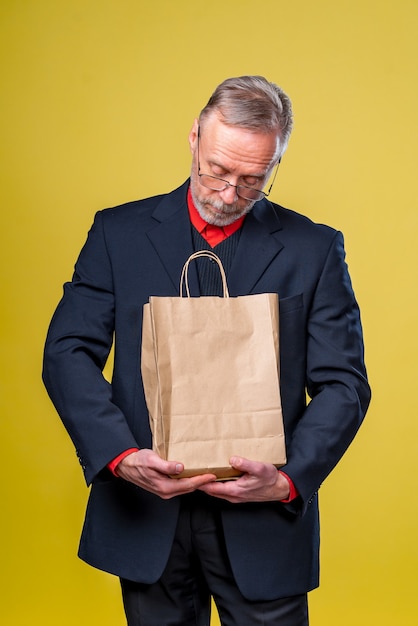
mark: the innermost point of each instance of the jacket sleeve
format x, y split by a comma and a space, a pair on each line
335, 378
77, 346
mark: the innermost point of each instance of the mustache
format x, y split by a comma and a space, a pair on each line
221, 206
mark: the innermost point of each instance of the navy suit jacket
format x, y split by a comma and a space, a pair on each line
137, 250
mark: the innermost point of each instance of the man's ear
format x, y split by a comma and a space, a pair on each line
193, 135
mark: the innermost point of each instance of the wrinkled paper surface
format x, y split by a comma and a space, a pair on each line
211, 379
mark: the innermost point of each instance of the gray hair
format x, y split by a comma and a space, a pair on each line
254, 103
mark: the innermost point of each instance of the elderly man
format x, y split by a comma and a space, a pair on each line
252, 544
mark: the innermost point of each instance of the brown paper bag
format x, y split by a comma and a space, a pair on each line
210, 370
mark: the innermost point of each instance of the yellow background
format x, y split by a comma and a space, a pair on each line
97, 100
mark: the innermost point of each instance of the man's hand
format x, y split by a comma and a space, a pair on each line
260, 482
149, 471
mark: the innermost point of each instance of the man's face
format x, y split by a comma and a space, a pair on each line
238, 155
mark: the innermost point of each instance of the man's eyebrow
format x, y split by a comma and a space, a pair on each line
259, 175
217, 164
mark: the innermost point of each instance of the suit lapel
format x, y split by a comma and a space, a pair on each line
259, 244
172, 238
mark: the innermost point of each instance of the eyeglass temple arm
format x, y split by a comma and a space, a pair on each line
274, 177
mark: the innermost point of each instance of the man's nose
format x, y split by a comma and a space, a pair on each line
229, 195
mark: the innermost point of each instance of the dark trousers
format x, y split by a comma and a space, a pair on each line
198, 568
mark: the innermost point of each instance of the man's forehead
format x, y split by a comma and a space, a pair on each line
224, 143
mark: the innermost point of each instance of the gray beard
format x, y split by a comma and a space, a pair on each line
229, 215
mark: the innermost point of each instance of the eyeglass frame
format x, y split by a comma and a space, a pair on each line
263, 194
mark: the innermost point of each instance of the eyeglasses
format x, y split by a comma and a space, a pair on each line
219, 184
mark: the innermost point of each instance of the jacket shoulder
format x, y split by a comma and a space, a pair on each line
142, 208
292, 219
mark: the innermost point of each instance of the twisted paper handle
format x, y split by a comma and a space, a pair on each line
184, 279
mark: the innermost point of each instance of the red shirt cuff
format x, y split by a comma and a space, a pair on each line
113, 464
293, 491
